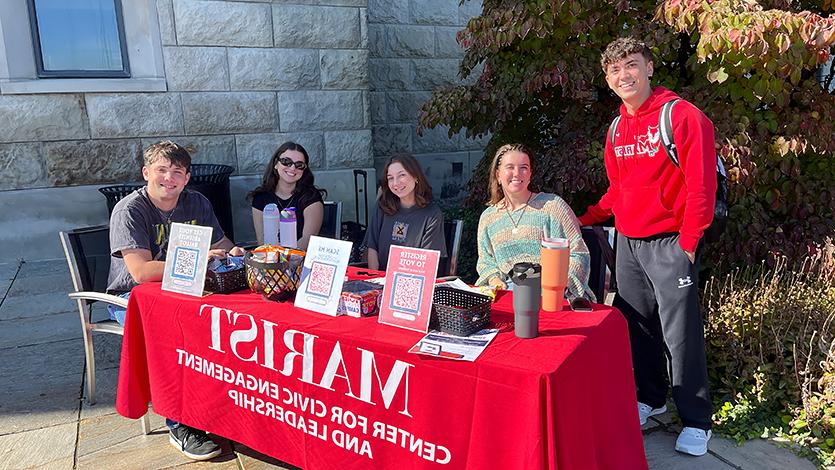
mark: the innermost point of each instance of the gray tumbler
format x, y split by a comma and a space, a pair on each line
527, 295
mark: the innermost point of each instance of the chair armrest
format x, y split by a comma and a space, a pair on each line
359, 264
100, 297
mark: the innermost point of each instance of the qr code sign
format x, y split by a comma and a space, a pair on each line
185, 263
321, 279
406, 293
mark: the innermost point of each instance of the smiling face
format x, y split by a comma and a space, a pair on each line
514, 172
166, 180
629, 79
401, 183
290, 174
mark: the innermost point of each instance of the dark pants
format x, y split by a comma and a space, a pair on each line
658, 293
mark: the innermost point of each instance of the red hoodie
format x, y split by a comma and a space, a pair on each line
648, 194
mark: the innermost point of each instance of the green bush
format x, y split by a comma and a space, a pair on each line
770, 338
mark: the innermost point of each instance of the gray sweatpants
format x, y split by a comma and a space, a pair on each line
658, 293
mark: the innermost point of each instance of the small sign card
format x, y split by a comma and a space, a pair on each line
187, 258
410, 282
323, 274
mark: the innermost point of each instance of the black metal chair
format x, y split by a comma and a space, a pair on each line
602, 255
448, 267
332, 220
88, 255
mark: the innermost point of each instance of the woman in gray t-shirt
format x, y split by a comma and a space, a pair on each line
405, 215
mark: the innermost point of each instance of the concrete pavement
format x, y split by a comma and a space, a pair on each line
45, 423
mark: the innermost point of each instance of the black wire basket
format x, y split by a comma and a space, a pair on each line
226, 282
459, 312
276, 281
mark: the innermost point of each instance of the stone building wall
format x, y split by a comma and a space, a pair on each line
242, 77
412, 52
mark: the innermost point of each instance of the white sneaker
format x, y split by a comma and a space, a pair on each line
645, 411
693, 441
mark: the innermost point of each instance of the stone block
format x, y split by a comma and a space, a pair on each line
255, 150
344, 69
659, 448
405, 41
432, 74
348, 149
205, 148
165, 12
210, 23
377, 104
433, 12
273, 69
438, 140
467, 10
316, 27
134, 114
47, 303
321, 110
93, 161
44, 267
196, 68
42, 117
390, 74
388, 11
49, 447
390, 139
21, 166
341, 3
40, 330
364, 28
232, 112
376, 40
446, 42
404, 106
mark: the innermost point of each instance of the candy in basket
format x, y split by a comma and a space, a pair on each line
227, 275
274, 272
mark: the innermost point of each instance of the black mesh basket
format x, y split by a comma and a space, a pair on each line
202, 173
226, 282
275, 281
459, 312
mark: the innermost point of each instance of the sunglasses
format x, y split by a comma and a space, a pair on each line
287, 162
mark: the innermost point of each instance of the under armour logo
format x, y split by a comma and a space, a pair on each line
684, 282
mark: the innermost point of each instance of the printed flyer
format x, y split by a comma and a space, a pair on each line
323, 274
458, 348
188, 256
410, 282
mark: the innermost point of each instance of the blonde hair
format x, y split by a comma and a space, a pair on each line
496, 191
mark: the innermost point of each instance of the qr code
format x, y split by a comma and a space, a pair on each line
185, 263
321, 279
406, 293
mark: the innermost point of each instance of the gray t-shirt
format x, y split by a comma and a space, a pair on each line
137, 223
416, 227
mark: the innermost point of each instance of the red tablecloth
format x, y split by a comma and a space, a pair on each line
339, 393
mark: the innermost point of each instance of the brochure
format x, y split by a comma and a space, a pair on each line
410, 282
459, 348
187, 258
323, 274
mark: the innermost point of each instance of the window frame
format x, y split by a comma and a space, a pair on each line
79, 73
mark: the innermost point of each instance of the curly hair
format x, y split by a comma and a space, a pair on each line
620, 48
496, 191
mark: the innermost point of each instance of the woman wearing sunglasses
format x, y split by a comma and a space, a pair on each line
288, 182
405, 214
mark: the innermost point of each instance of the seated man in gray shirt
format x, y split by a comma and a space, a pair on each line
139, 228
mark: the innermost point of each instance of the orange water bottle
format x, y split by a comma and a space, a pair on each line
554, 257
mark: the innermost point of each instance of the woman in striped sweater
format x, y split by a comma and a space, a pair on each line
510, 229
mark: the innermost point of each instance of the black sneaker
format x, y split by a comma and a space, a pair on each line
195, 444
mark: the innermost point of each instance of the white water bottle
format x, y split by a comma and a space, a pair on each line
271, 218
287, 228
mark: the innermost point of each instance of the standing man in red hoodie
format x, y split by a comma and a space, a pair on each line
661, 211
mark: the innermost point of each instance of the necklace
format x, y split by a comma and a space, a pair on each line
288, 204
515, 230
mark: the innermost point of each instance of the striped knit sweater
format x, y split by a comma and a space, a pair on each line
499, 249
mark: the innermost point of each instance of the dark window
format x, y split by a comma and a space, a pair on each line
79, 38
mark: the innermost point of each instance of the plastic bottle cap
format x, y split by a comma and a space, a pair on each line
555, 243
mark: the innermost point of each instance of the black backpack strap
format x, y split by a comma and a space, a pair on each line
612, 128
665, 128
